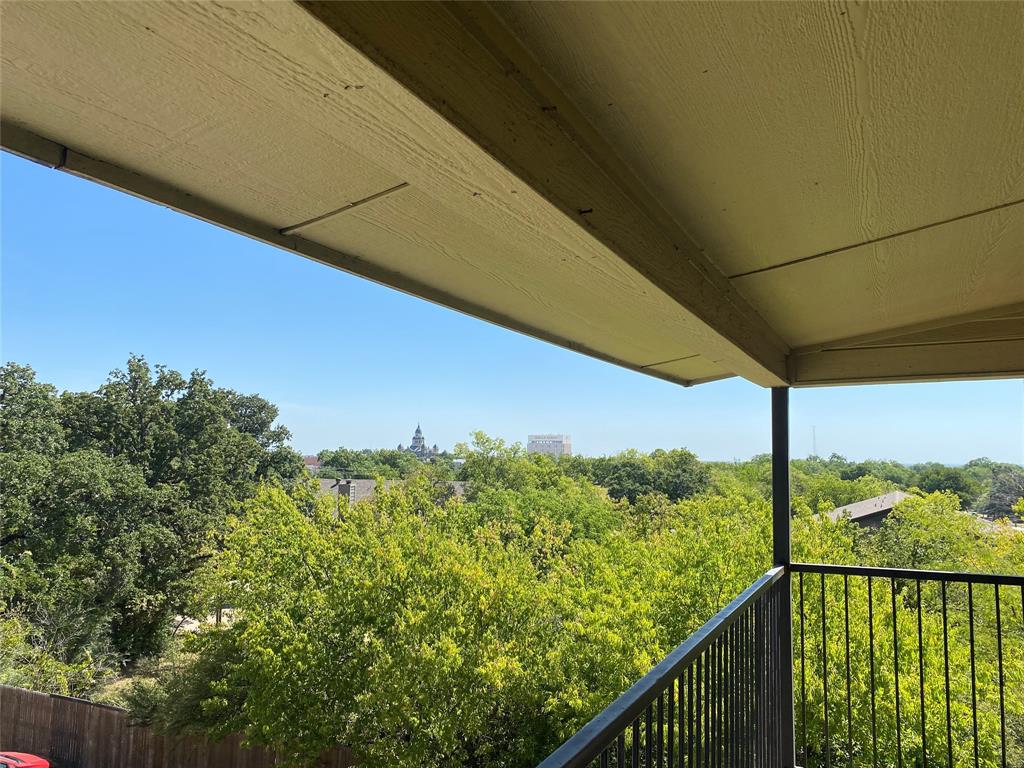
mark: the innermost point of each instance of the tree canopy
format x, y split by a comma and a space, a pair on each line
110, 498
426, 629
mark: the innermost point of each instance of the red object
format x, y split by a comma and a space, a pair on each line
22, 760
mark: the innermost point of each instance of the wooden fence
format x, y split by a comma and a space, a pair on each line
73, 733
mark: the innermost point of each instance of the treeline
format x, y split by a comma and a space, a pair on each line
419, 628
483, 631
110, 501
987, 487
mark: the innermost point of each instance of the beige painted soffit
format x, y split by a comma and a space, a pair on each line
460, 60
1005, 322
987, 344
996, 359
28, 145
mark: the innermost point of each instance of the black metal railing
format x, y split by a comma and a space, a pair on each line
890, 668
713, 701
901, 668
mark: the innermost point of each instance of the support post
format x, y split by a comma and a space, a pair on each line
782, 556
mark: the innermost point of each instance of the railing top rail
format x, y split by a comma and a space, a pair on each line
588, 742
1016, 580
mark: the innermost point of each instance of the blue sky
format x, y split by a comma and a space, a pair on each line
90, 275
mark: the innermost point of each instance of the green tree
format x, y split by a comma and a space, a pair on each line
109, 498
939, 477
1007, 488
29, 413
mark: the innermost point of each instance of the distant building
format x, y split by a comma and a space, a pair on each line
550, 445
870, 513
419, 447
312, 464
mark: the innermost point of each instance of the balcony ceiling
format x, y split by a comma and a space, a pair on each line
802, 193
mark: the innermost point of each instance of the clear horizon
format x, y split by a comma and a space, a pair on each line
91, 276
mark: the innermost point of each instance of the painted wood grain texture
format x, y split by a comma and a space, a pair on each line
473, 73
585, 173
318, 125
946, 271
73, 733
780, 130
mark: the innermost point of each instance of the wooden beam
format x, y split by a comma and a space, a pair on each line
462, 62
997, 359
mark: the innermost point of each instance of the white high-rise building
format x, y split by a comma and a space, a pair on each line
550, 445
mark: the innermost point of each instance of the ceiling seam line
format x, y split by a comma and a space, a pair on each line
907, 344
666, 362
883, 238
347, 207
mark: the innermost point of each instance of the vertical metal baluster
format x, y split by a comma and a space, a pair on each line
659, 746
717, 703
726, 700
769, 676
711, 710
999, 657
620, 751
741, 688
824, 674
636, 743
755, 688
684, 749
604, 757
649, 736
849, 695
871, 654
691, 746
748, 753
803, 675
698, 734
773, 678
770, 687
763, 683
671, 744
751, 691
974, 691
920, 670
745, 688
715, 710
737, 690
731, 724
896, 671
945, 662
777, 671
723, 701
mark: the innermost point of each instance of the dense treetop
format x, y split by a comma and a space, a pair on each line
110, 498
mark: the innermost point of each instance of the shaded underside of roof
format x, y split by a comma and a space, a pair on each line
802, 193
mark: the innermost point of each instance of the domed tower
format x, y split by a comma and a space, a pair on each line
418, 444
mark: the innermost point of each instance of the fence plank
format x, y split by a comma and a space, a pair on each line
79, 734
